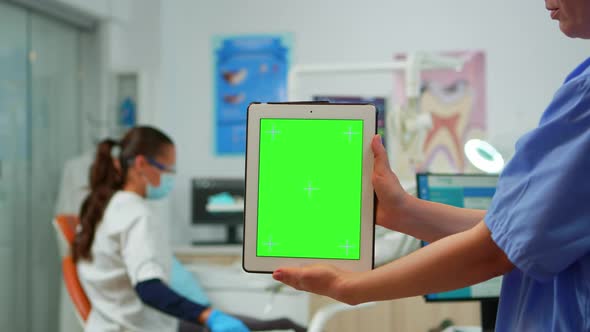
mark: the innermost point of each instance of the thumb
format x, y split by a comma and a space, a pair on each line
288, 276
381, 161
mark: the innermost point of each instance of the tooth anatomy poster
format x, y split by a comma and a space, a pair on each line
456, 102
248, 68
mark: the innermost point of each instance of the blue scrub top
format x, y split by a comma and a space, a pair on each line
540, 217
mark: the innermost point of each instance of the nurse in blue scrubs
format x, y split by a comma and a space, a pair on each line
536, 232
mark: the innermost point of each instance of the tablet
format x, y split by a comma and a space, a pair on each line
309, 197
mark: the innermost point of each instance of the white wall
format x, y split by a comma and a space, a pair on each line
129, 33
527, 60
133, 44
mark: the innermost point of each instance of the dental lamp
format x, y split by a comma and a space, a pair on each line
484, 156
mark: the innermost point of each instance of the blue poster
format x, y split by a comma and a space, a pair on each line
247, 69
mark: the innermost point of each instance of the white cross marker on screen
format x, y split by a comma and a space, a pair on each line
270, 244
273, 132
350, 133
310, 189
346, 246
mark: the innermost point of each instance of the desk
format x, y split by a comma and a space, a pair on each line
411, 314
230, 250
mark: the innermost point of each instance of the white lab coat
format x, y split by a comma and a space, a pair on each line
128, 248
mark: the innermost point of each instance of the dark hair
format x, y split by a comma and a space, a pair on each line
106, 179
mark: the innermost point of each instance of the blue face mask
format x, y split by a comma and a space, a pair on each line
161, 191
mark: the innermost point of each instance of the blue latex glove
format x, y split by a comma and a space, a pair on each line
220, 322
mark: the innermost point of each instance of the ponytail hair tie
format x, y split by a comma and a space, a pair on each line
116, 150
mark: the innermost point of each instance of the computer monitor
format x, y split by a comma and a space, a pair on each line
473, 191
379, 103
219, 201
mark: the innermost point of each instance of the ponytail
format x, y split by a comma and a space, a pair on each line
108, 175
105, 180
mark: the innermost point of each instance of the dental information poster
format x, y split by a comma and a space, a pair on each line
247, 68
456, 101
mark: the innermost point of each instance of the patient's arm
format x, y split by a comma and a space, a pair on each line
184, 282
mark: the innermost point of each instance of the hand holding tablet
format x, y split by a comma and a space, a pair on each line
309, 197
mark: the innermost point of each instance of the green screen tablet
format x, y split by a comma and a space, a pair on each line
308, 195
309, 188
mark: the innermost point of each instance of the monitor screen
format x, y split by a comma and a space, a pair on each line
309, 190
379, 103
218, 201
466, 191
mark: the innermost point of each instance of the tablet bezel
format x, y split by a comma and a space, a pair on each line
256, 111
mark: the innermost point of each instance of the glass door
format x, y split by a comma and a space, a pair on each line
55, 138
14, 168
40, 129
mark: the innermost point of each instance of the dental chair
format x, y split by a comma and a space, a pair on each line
75, 290
65, 231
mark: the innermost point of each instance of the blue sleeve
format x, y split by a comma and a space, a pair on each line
540, 215
157, 295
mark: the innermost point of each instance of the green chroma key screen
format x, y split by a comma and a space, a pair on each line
309, 190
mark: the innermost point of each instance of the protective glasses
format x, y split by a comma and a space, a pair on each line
161, 166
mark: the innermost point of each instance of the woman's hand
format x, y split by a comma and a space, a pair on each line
320, 279
454, 262
335, 283
391, 197
402, 212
